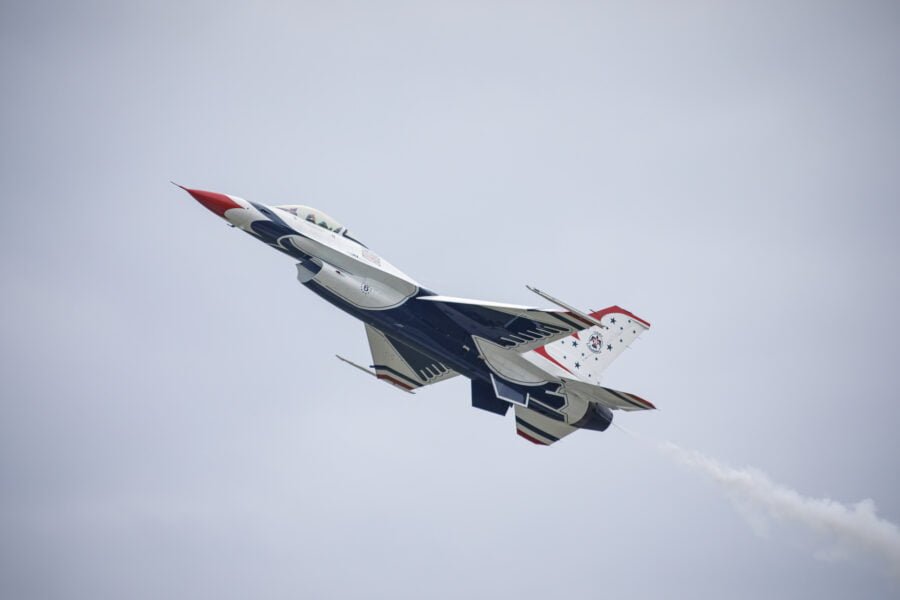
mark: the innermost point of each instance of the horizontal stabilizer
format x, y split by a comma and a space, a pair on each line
538, 429
608, 397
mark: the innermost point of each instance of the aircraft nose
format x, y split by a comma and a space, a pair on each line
215, 202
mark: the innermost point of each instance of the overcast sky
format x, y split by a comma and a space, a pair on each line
173, 422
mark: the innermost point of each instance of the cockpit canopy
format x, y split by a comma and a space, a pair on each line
313, 215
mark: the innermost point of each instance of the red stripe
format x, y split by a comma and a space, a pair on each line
396, 382
531, 439
618, 310
543, 352
639, 399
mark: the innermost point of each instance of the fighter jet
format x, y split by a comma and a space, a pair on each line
545, 363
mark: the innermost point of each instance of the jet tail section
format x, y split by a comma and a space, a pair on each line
586, 354
608, 397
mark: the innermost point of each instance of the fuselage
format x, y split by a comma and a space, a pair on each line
352, 277
418, 337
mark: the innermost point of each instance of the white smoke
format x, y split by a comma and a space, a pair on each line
851, 529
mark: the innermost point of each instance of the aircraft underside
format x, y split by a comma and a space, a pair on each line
430, 342
545, 363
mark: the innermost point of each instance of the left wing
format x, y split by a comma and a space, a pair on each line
514, 327
401, 365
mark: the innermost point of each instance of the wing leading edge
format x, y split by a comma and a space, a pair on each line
514, 327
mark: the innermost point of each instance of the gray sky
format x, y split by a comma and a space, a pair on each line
173, 422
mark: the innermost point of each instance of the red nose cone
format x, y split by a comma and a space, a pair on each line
217, 203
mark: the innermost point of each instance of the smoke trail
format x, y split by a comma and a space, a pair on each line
854, 527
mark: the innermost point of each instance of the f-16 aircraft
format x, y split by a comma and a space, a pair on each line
545, 363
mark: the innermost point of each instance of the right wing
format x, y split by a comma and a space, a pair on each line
513, 327
401, 365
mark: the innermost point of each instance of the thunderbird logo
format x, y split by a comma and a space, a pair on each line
595, 342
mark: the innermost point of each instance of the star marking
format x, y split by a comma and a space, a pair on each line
577, 365
609, 346
613, 320
574, 343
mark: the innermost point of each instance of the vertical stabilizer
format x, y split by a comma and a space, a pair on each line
586, 354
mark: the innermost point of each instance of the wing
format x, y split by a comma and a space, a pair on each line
538, 429
519, 328
402, 365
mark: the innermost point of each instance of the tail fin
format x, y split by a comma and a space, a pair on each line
586, 354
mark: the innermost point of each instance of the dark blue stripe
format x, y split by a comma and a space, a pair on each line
546, 398
270, 231
537, 407
572, 325
271, 214
528, 425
